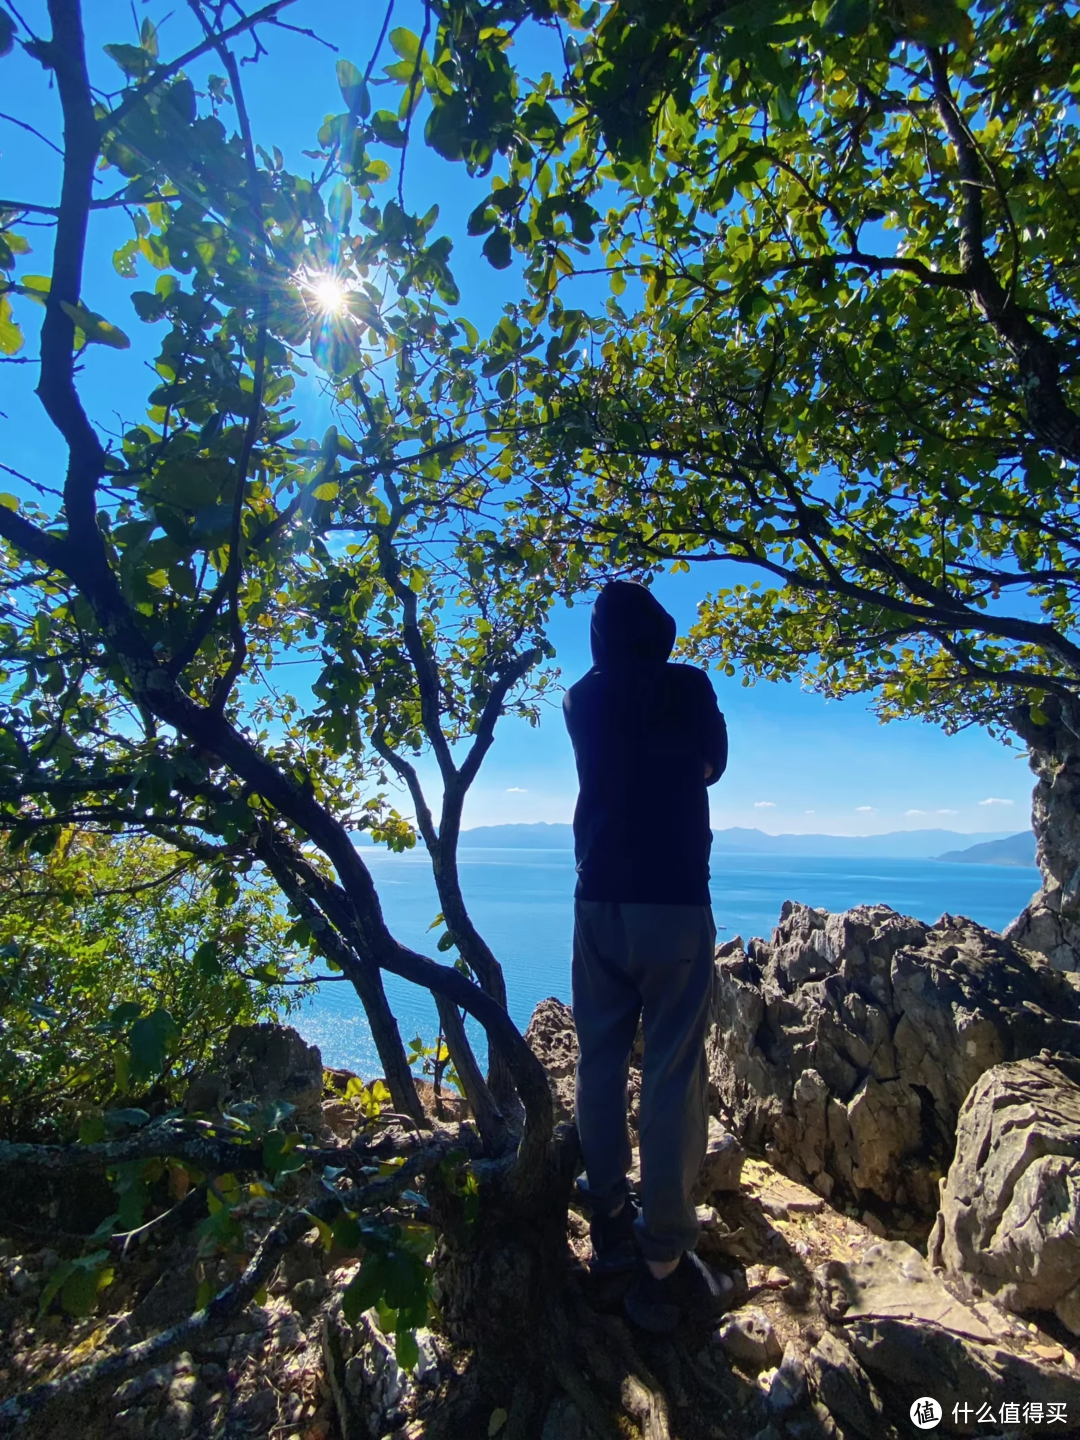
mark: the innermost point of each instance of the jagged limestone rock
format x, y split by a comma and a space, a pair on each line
1050, 923
721, 1170
1010, 1207
261, 1064
845, 1389
370, 1389
844, 1048
553, 1040
913, 1336
749, 1338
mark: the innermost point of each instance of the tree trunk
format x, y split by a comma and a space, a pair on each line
549, 1348
1050, 924
501, 1284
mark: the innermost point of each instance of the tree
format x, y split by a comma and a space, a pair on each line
149, 600
120, 972
840, 347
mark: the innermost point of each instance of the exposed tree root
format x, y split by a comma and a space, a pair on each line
210, 1320
199, 1141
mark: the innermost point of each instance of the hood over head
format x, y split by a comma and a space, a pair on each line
630, 626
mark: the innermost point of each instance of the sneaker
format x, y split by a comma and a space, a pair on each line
691, 1291
614, 1242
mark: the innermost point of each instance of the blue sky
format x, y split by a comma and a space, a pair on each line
798, 763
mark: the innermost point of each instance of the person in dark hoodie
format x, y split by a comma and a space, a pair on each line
648, 738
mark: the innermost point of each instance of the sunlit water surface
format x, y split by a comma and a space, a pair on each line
522, 902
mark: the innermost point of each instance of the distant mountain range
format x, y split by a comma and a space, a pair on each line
897, 844
1016, 850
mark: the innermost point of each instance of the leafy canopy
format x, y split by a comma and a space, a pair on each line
120, 972
839, 345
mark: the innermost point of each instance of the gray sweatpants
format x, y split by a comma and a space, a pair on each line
653, 962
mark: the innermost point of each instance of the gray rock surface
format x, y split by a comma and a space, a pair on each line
553, 1040
844, 1387
721, 1169
1050, 923
749, 1338
913, 1336
845, 1047
370, 1389
266, 1063
1010, 1207
788, 1389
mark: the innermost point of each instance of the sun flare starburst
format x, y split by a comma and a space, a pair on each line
327, 293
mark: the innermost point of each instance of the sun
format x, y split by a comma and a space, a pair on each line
328, 293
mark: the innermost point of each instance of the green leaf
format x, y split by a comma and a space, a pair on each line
131, 1118
91, 1130
339, 207
124, 259
96, 328
346, 1232
326, 1234
279, 1154
365, 1288
387, 129
936, 22
848, 17
405, 43
353, 89
125, 1013
498, 1419
133, 60
406, 1350
35, 287
148, 37
93, 1273
497, 249
11, 337
53, 1284
150, 1041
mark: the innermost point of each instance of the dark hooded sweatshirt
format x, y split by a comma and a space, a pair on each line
643, 731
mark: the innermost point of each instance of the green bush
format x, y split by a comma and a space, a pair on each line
122, 966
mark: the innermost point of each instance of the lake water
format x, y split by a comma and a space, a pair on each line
522, 902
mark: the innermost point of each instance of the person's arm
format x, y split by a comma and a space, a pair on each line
712, 731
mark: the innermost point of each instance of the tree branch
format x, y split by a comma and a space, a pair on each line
1053, 421
166, 72
66, 54
228, 1302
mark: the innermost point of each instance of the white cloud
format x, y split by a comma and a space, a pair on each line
809, 812
865, 810
946, 812
516, 790
993, 800
917, 812
764, 805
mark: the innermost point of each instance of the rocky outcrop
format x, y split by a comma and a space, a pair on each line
553, 1039
372, 1392
263, 1065
721, 1170
844, 1048
1050, 924
1010, 1207
902, 1327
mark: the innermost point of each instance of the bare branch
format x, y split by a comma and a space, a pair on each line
166, 72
